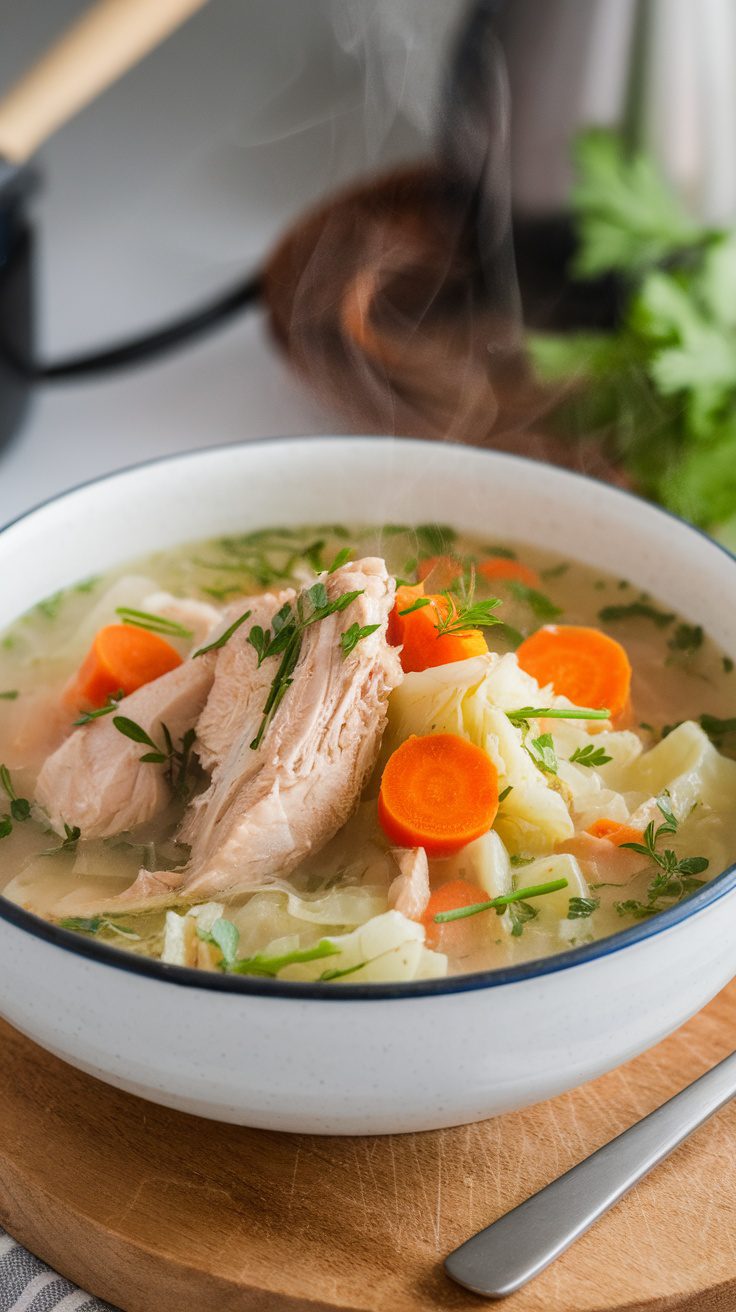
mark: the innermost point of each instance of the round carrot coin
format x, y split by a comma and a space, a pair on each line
439, 792
580, 663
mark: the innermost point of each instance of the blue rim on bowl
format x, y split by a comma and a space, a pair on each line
189, 977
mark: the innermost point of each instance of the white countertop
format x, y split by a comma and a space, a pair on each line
172, 186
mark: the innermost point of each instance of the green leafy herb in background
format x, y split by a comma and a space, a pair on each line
660, 389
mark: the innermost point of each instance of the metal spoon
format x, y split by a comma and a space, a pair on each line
515, 1248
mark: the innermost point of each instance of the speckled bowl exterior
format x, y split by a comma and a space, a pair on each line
342, 1059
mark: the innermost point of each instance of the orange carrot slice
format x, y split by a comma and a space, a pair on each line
439, 792
616, 832
121, 659
406, 595
499, 570
449, 897
583, 664
422, 645
444, 570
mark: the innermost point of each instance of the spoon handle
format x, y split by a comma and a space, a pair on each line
515, 1248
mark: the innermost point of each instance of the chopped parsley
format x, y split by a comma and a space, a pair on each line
686, 639
521, 913
418, 604
541, 605
72, 835
715, 728
581, 907
542, 752
504, 794
636, 610
94, 924
355, 634
20, 807
285, 639
342, 558
727, 664
10, 696
590, 756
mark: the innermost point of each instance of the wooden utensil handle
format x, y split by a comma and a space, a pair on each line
106, 41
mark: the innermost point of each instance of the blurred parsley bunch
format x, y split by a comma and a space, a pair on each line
661, 388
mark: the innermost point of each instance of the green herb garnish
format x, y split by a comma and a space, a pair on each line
435, 539
518, 718
636, 610
143, 619
342, 558
541, 605
686, 639
542, 752
590, 756
715, 728
517, 860
579, 908
20, 807
289, 626
224, 637
261, 964
10, 696
93, 925
675, 877
416, 605
355, 634
521, 913
112, 703
176, 759
504, 794
727, 664
72, 835
499, 904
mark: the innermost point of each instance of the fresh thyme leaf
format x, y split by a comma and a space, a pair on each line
541, 605
129, 729
416, 605
673, 878
504, 794
261, 964
500, 903
154, 758
143, 619
556, 713
12, 694
463, 615
590, 756
636, 610
517, 860
111, 705
579, 908
6, 826
355, 634
224, 637
542, 752
686, 639
342, 558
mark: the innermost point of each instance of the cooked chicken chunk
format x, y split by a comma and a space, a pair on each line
96, 779
268, 807
409, 891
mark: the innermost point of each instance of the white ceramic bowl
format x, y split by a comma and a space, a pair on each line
346, 1059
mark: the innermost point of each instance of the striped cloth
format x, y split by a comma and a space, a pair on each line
27, 1285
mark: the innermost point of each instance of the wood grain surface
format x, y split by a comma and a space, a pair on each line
161, 1212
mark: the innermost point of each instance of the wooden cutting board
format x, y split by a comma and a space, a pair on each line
161, 1212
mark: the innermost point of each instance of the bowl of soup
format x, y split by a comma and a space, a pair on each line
361, 785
